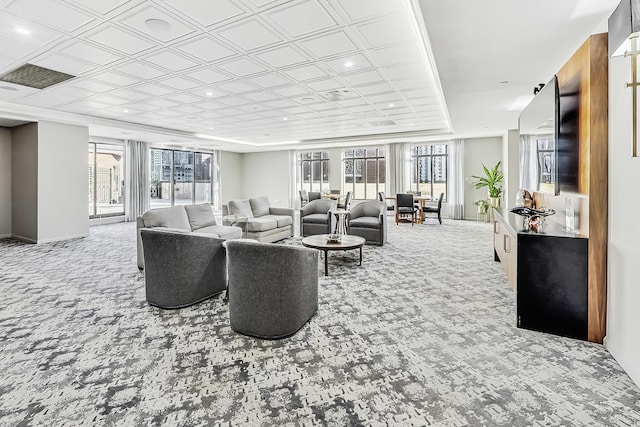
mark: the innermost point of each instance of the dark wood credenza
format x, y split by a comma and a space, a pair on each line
549, 272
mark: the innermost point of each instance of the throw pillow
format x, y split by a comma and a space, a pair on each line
200, 215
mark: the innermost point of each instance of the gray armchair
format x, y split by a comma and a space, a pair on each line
182, 268
273, 289
317, 217
369, 220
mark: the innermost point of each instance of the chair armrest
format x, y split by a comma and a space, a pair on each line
281, 211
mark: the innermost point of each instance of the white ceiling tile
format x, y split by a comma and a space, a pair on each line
57, 15
364, 78
189, 109
384, 98
323, 85
269, 80
118, 39
390, 30
355, 102
16, 50
110, 99
308, 72
207, 75
131, 95
260, 96
362, 109
290, 91
137, 17
349, 63
138, 69
209, 93
210, 105
282, 57
250, 35
184, 98
375, 89
395, 55
165, 103
143, 106
261, 3
406, 72
206, 49
39, 35
237, 87
357, 9
329, 45
87, 52
302, 18
207, 12
409, 85
179, 83
154, 89
242, 67
86, 104
170, 60
63, 64
92, 85
232, 100
100, 6
116, 78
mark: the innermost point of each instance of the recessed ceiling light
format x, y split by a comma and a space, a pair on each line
348, 64
158, 25
22, 31
209, 93
13, 89
210, 128
285, 119
392, 105
125, 111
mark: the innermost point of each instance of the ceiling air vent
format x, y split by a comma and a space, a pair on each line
339, 94
383, 123
33, 76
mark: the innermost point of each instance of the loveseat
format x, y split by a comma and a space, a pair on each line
265, 223
184, 219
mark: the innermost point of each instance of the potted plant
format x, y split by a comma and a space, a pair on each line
483, 206
491, 180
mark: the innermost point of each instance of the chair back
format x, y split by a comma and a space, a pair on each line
347, 201
440, 201
381, 196
334, 191
404, 200
314, 195
304, 197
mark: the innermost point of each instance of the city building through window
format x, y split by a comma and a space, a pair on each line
429, 169
364, 172
106, 180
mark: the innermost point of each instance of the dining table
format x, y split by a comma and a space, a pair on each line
422, 202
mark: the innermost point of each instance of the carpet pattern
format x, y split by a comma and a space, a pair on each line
422, 334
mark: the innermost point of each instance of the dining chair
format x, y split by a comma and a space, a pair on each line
314, 195
304, 198
434, 209
405, 207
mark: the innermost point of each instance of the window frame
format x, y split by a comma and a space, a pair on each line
94, 171
415, 156
319, 158
378, 158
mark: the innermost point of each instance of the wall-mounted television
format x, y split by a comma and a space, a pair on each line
539, 126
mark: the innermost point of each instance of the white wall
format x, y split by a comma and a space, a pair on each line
231, 176
5, 182
24, 182
511, 167
63, 199
478, 151
623, 296
268, 174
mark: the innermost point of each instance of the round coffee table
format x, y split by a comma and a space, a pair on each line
321, 242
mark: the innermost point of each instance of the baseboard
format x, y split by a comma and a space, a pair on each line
22, 238
60, 239
5, 236
106, 220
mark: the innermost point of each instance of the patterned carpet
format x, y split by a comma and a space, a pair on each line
422, 334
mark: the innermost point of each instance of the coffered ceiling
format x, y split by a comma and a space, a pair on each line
238, 74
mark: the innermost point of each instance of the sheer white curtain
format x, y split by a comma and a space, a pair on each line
137, 179
398, 168
456, 179
217, 196
529, 161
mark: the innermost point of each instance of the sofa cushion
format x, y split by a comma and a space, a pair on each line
200, 215
222, 231
240, 207
365, 222
282, 220
261, 224
174, 217
260, 206
316, 218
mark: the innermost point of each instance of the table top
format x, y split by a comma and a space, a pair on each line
320, 241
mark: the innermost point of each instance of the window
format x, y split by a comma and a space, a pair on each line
364, 172
106, 180
429, 169
180, 178
312, 171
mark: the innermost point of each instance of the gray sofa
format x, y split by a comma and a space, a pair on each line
369, 220
317, 217
187, 218
273, 289
265, 223
182, 268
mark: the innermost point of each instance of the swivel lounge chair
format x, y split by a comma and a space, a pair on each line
317, 217
369, 220
182, 268
273, 289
